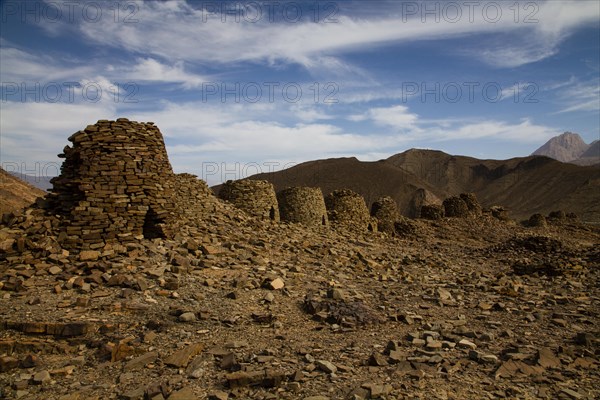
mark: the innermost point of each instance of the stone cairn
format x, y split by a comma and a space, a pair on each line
557, 216
385, 210
455, 207
347, 209
499, 212
421, 197
303, 205
115, 186
462, 206
255, 197
472, 203
537, 220
193, 198
432, 211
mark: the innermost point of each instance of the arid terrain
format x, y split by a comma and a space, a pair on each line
231, 306
524, 185
445, 313
16, 194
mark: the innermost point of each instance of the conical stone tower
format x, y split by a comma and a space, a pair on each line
115, 186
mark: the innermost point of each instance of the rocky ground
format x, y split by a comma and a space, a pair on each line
237, 308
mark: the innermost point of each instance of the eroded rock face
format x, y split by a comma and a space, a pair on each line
347, 209
257, 198
303, 205
116, 185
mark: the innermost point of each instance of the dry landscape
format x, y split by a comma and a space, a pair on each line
210, 299
16, 194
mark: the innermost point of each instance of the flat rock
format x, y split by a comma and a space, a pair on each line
276, 284
377, 360
377, 390
572, 394
218, 395
89, 255
265, 378
181, 358
466, 344
7, 363
141, 361
54, 270
41, 377
547, 359
187, 317
326, 366
183, 394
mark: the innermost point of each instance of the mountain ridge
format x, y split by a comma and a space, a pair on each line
15, 193
525, 185
569, 147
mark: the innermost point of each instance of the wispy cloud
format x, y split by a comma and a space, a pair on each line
581, 96
34, 132
515, 56
179, 31
399, 119
18, 65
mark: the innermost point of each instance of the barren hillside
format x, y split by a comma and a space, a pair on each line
524, 185
16, 194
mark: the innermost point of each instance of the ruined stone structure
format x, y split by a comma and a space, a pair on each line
432, 211
421, 197
455, 207
385, 210
537, 220
557, 216
257, 198
405, 227
304, 205
347, 209
499, 212
472, 203
193, 198
116, 185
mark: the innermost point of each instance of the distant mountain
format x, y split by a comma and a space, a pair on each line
40, 182
524, 185
15, 193
591, 156
568, 147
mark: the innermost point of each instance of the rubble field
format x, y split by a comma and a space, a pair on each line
233, 307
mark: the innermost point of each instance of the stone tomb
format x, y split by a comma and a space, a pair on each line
255, 197
115, 185
303, 205
385, 210
347, 209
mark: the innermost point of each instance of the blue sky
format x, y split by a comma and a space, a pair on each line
245, 87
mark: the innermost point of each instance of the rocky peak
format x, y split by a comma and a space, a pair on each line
566, 147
